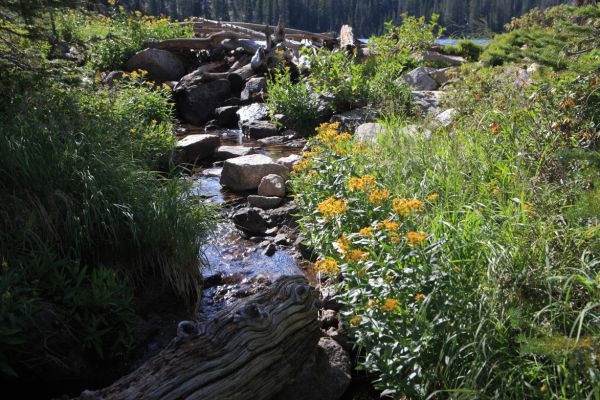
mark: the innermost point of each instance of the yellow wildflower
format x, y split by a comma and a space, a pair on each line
389, 225
166, 87
544, 388
496, 191
355, 320
379, 196
329, 267
371, 303
122, 8
7, 295
404, 207
420, 297
415, 238
389, 277
141, 106
332, 207
302, 166
357, 255
364, 183
4, 264
154, 122
390, 305
433, 197
343, 244
134, 74
457, 268
395, 237
367, 231
112, 2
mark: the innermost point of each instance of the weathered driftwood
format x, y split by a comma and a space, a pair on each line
249, 351
347, 38
250, 46
194, 43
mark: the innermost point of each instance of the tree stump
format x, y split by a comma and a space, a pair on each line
250, 350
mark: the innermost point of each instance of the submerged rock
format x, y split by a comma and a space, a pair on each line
245, 173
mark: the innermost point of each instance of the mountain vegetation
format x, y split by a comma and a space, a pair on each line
365, 16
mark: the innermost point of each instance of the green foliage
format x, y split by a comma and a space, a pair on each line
465, 48
468, 260
113, 39
295, 100
560, 37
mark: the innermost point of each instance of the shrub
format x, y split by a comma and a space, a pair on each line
465, 48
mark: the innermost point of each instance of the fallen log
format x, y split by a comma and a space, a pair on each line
248, 351
347, 38
194, 43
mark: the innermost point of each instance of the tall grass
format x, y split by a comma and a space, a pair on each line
499, 297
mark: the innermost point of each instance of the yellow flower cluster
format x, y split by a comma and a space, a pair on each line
420, 297
343, 244
379, 196
405, 207
301, 166
416, 238
367, 231
390, 305
389, 225
329, 267
329, 135
357, 255
355, 320
332, 207
364, 183
433, 197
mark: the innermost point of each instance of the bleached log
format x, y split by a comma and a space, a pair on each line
347, 38
248, 351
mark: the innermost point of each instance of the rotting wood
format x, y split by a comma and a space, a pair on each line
248, 351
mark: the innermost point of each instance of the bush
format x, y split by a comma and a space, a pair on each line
463, 273
465, 48
87, 221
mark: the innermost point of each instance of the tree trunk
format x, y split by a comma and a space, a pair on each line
249, 351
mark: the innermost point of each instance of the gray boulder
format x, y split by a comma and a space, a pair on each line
193, 148
420, 79
443, 75
253, 112
245, 173
197, 100
259, 129
264, 202
272, 185
161, 65
289, 161
445, 118
428, 102
415, 132
352, 119
226, 152
254, 89
369, 132
227, 116
441, 59
325, 376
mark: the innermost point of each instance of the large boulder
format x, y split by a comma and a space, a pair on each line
197, 100
193, 148
445, 118
325, 376
420, 79
369, 132
290, 161
272, 186
259, 129
254, 89
253, 112
226, 152
443, 75
245, 173
161, 65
